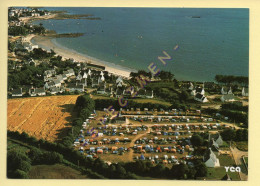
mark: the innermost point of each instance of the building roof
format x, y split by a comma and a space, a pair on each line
17, 91
85, 75
56, 81
55, 89
71, 71
198, 89
39, 90
76, 86
227, 177
79, 77
210, 155
245, 90
199, 96
228, 96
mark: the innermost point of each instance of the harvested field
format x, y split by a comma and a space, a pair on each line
42, 117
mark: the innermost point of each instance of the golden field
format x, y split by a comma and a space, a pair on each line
42, 117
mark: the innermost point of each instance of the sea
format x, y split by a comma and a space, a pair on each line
210, 40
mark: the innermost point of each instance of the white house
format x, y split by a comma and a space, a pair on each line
201, 98
71, 72
198, 90
56, 82
79, 77
102, 78
49, 73
245, 91
191, 86
48, 85
40, 91
34, 14
89, 72
224, 90
17, 92
54, 90
219, 140
210, 159
85, 77
37, 91
119, 81
228, 98
73, 88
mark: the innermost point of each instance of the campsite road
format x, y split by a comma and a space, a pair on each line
237, 154
130, 154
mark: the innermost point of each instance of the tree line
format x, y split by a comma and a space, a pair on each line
235, 135
26, 29
228, 79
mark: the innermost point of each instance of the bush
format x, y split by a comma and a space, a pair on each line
20, 174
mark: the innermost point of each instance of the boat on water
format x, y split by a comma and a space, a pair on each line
195, 16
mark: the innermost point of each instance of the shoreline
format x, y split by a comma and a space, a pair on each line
48, 43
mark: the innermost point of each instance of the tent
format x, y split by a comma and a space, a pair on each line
99, 151
114, 148
142, 157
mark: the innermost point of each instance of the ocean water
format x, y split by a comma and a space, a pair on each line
215, 43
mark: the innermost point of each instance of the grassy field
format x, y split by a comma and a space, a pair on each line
154, 101
54, 172
42, 117
226, 160
137, 100
219, 172
242, 145
100, 97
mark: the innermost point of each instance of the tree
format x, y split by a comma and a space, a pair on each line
180, 171
196, 140
52, 157
24, 166
158, 170
184, 96
15, 159
228, 134
85, 102
239, 135
201, 169
35, 155
245, 134
20, 174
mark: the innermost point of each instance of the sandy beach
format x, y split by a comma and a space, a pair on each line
48, 43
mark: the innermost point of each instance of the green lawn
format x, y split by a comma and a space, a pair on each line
155, 101
242, 145
224, 145
226, 160
101, 97
54, 172
219, 172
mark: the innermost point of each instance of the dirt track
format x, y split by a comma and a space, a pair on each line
42, 117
